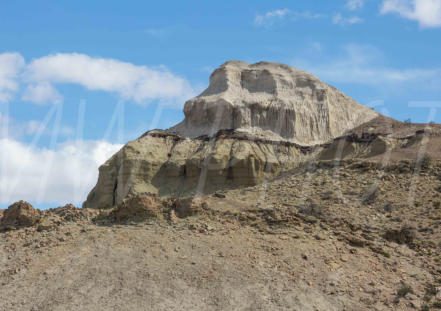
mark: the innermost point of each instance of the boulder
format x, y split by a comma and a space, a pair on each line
139, 208
191, 206
20, 214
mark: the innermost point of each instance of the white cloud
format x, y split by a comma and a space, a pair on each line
139, 83
364, 65
65, 174
42, 93
426, 12
338, 19
269, 17
354, 5
10, 67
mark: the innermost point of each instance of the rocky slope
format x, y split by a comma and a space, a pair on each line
252, 123
359, 235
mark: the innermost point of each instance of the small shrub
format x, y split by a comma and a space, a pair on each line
370, 195
404, 235
404, 290
388, 207
430, 292
311, 208
426, 161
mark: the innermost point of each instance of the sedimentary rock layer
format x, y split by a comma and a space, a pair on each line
252, 123
274, 101
170, 165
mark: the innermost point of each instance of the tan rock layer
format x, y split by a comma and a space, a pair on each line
274, 101
171, 166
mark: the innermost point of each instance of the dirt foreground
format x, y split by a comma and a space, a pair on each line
358, 236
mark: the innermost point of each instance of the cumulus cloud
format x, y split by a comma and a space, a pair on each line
354, 5
364, 65
10, 67
270, 16
426, 12
61, 175
139, 83
338, 19
42, 93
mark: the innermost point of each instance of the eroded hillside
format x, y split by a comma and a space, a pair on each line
357, 236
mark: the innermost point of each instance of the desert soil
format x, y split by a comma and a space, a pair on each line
357, 236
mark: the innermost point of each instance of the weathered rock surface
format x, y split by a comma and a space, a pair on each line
172, 166
20, 214
139, 208
252, 123
274, 101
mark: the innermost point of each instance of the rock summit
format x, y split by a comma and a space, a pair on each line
274, 101
253, 122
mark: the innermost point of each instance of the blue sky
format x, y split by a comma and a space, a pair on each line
103, 72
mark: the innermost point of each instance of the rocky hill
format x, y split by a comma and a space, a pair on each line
252, 123
277, 192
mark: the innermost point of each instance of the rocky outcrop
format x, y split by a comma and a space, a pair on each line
252, 123
172, 166
19, 214
138, 208
274, 101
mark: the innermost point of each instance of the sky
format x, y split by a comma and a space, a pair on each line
78, 79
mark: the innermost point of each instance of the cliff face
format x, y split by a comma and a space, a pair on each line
173, 166
252, 123
274, 101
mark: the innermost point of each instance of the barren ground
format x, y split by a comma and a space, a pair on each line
326, 238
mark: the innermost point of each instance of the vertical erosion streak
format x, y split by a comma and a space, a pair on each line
115, 191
